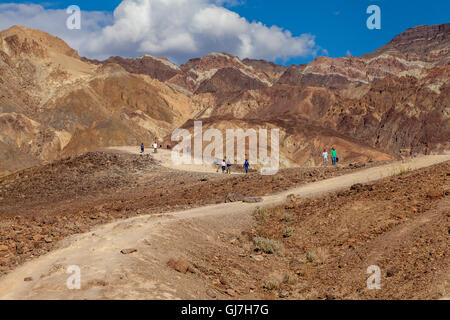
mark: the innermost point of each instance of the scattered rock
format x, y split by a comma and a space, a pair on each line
128, 251
356, 187
291, 198
291, 202
231, 292
330, 296
257, 257
97, 283
246, 290
434, 194
252, 199
37, 237
211, 293
28, 279
234, 197
284, 294
3, 248
180, 265
391, 272
223, 281
356, 165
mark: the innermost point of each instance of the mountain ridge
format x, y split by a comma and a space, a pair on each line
54, 103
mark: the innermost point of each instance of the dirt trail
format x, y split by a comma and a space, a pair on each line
106, 273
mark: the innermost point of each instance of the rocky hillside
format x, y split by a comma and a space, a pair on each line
53, 103
421, 43
395, 114
392, 101
410, 53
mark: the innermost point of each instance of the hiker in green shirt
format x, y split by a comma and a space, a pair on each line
333, 156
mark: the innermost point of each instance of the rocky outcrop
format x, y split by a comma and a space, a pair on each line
421, 43
157, 68
401, 114
229, 80
52, 103
271, 70
409, 53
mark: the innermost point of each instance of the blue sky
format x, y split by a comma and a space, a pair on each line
341, 25
338, 27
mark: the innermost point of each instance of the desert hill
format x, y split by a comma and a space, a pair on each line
425, 43
53, 103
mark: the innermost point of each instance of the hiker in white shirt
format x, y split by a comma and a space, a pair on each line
155, 147
325, 158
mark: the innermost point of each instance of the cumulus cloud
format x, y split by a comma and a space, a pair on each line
53, 21
178, 29
229, 3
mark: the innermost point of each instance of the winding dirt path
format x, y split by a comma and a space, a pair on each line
106, 273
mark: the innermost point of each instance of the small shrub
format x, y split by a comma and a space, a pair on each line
317, 257
267, 245
402, 170
287, 217
288, 232
261, 214
310, 257
290, 279
271, 284
322, 255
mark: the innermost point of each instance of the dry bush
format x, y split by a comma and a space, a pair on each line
287, 217
267, 245
261, 214
288, 232
318, 256
312, 294
290, 279
271, 284
310, 256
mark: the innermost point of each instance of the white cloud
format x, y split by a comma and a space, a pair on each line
178, 29
229, 3
53, 21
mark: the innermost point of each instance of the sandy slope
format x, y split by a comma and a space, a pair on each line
106, 273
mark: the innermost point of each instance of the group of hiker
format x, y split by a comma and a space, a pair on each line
225, 165
334, 158
155, 147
